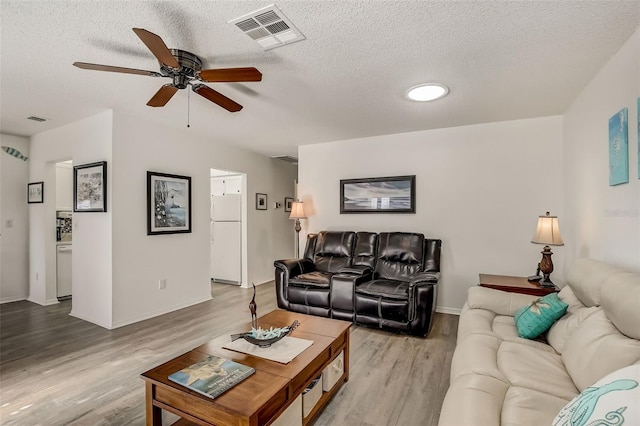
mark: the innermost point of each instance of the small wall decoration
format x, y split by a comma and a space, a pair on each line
261, 201
619, 148
14, 153
35, 192
395, 194
168, 204
90, 187
287, 204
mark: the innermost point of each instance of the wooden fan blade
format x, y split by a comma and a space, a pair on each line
231, 74
217, 98
157, 47
98, 67
163, 96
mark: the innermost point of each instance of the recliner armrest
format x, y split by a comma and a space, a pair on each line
356, 270
425, 277
294, 267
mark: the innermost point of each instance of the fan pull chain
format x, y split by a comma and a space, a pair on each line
188, 107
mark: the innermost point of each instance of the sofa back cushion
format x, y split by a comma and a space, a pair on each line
400, 255
432, 249
310, 248
364, 253
621, 302
565, 326
596, 348
333, 250
586, 278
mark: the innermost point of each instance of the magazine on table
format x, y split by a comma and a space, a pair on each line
212, 376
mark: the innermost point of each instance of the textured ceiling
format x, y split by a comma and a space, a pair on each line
502, 61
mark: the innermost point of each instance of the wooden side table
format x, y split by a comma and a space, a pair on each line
515, 285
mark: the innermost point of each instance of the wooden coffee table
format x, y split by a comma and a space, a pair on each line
261, 398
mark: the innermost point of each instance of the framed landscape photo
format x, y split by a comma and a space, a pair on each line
90, 187
35, 192
287, 204
261, 201
168, 204
396, 194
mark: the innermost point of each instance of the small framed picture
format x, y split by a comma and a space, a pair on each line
168, 204
287, 204
90, 187
35, 192
261, 201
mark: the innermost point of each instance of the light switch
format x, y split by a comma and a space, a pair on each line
9, 223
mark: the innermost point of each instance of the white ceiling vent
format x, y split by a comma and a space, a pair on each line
269, 27
38, 119
286, 159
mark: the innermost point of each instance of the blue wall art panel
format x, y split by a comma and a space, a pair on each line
619, 148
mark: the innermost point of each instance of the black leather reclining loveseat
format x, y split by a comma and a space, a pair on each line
387, 280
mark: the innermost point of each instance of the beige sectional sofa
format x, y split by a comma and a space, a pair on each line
498, 378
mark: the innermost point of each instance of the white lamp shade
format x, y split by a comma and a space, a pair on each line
548, 231
297, 211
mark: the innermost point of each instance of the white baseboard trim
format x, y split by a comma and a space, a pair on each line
445, 310
12, 299
159, 312
87, 319
46, 302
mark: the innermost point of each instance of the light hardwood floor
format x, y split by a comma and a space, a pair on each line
59, 370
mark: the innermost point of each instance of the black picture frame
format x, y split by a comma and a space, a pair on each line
288, 201
90, 187
168, 203
393, 194
35, 192
261, 201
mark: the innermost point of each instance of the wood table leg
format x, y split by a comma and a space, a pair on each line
154, 414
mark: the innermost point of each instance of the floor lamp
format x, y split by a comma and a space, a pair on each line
297, 213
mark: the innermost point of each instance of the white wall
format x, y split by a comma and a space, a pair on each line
14, 243
478, 188
602, 221
183, 259
85, 141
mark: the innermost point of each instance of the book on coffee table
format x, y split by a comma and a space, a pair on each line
212, 376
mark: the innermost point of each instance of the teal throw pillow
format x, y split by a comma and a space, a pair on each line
539, 316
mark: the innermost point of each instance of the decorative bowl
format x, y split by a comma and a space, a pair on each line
266, 338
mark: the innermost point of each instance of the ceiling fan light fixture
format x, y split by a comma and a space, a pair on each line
427, 92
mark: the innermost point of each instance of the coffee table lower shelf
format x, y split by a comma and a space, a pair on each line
267, 394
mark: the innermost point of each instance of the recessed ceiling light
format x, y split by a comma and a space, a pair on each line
427, 92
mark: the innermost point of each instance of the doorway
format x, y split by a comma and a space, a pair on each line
64, 240
228, 224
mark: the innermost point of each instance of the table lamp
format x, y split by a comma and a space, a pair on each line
547, 233
297, 213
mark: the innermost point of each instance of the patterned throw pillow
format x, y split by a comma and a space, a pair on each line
539, 316
612, 400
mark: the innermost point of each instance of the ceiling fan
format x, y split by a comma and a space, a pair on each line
185, 69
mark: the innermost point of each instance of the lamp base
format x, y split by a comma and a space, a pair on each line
546, 281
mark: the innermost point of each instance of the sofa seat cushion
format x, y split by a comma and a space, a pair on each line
389, 289
482, 321
531, 368
523, 406
473, 399
316, 279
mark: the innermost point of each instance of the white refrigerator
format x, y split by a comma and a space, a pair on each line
226, 238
